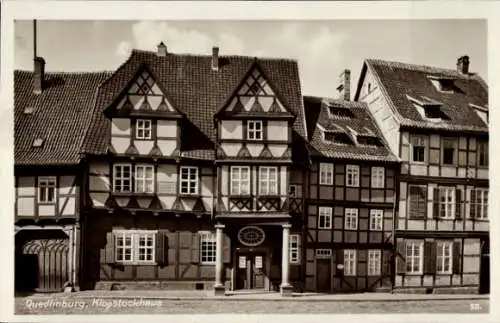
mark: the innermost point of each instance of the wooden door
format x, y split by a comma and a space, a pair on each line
323, 275
250, 272
484, 274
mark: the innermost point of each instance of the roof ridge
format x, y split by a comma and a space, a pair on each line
418, 67
65, 72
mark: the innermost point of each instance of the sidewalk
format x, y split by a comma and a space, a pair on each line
259, 296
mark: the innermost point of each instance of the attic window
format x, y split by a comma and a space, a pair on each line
338, 112
443, 84
429, 109
38, 142
368, 141
482, 112
29, 110
335, 137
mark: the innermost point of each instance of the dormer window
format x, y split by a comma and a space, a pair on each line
482, 112
336, 137
339, 112
428, 109
38, 142
443, 84
368, 141
254, 130
29, 110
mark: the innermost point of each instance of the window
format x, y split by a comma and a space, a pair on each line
479, 203
378, 177
292, 191
240, 180
254, 131
376, 220
294, 248
144, 179
350, 262
122, 179
326, 174
135, 246
352, 178
46, 189
351, 219
482, 153
418, 149
325, 218
449, 151
446, 202
189, 180
374, 262
417, 204
207, 248
268, 181
414, 259
323, 253
444, 257
143, 129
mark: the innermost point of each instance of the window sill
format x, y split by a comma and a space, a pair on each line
326, 184
194, 195
414, 274
240, 196
207, 263
134, 263
267, 196
46, 203
444, 274
352, 186
127, 194
418, 163
143, 139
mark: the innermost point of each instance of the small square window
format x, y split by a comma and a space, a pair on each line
38, 142
254, 130
418, 149
143, 129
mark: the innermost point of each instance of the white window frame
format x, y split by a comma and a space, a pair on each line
252, 131
144, 180
192, 185
378, 177
208, 246
46, 184
418, 141
143, 129
267, 184
325, 174
415, 258
376, 219
374, 262
238, 183
483, 151
449, 203
323, 253
134, 246
351, 219
121, 186
352, 176
325, 213
294, 249
481, 207
350, 262
441, 257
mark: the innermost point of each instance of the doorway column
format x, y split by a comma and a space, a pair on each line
219, 288
285, 288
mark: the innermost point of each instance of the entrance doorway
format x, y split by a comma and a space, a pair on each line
250, 270
484, 275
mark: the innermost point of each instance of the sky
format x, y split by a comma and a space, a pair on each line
323, 48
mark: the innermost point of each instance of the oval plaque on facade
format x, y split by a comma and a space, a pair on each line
251, 236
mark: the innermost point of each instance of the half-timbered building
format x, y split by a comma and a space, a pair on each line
436, 121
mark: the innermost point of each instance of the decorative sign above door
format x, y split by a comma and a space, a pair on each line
251, 236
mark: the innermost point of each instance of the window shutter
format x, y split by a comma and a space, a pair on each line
161, 248
386, 260
109, 251
459, 208
435, 203
472, 204
457, 250
195, 247
227, 249
400, 256
430, 257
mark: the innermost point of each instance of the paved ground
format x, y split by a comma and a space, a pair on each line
150, 302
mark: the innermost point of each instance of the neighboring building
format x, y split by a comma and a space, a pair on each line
351, 198
436, 121
51, 115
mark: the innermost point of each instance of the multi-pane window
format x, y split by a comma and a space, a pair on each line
292, 190
323, 253
352, 175
479, 203
350, 262
143, 129
351, 219
325, 218
376, 219
144, 179
446, 202
444, 257
46, 189
254, 130
268, 180
449, 148
482, 153
374, 262
418, 149
294, 248
207, 248
135, 246
122, 178
414, 257
417, 204
325, 174
189, 180
240, 180
378, 177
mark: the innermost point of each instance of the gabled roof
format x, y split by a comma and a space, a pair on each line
400, 81
360, 123
59, 116
198, 91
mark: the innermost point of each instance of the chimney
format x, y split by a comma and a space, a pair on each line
215, 58
463, 65
344, 88
162, 50
39, 75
